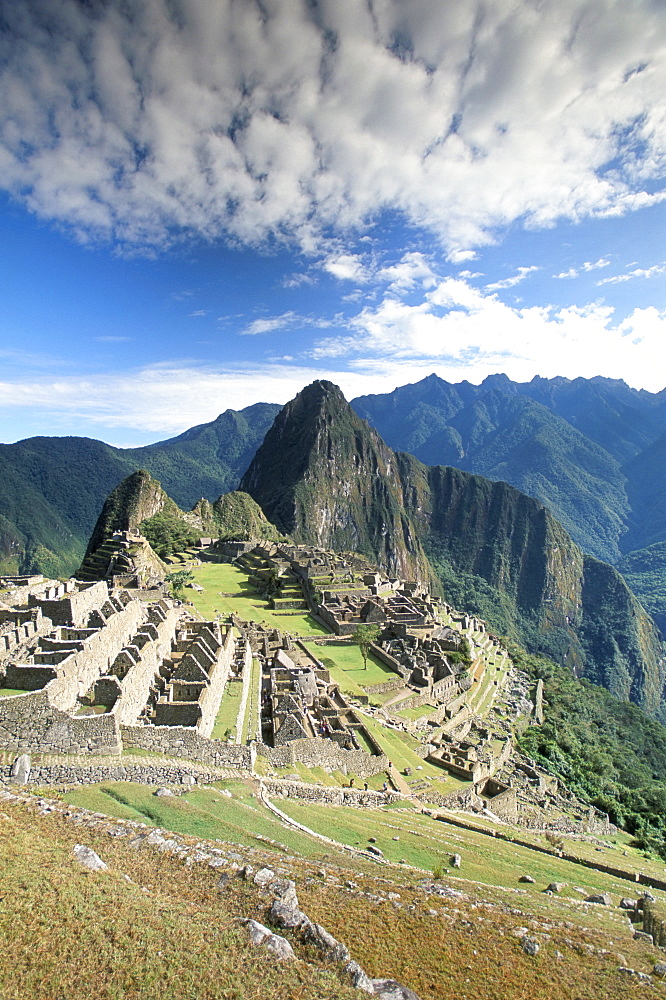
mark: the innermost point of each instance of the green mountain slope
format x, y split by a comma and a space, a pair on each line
52, 489
140, 504
645, 572
326, 478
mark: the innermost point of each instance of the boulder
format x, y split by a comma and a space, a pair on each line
455, 860
390, 989
330, 947
359, 978
88, 858
527, 878
163, 793
556, 887
530, 946
288, 915
264, 877
277, 945
602, 898
20, 771
284, 890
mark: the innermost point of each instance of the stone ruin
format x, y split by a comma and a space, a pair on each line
82, 661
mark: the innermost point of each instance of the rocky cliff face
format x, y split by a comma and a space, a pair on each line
325, 477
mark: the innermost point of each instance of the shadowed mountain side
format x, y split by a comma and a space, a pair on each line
496, 431
326, 477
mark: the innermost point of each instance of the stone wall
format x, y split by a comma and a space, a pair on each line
78, 672
389, 661
324, 753
145, 774
30, 723
135, 686
178, 741
385, 686
73, 608
247, 675
329, 796
211, 696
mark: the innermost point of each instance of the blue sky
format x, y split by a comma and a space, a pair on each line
205, 205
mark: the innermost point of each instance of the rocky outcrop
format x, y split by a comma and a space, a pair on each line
135, 499
323, 476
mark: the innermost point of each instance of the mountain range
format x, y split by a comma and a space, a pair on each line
512, 497
592, 450
324, 477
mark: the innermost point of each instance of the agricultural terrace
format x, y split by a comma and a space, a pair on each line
227, 590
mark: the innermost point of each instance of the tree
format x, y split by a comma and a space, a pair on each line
363, 636
179, 580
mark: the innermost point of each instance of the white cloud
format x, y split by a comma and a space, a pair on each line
146, 121
346, 267
638, 272
594, 266
573, 272
199, 312
270, 324
515, 279
470, 333
412, 270
461, 256
162, 400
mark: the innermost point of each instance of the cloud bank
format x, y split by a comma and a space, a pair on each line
143, 121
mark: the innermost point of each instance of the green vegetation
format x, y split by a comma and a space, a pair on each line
344, 662
225, 721
227, 591
608, 752
364, 634
645, 572
151, 927
167, 532
53, 489
239, 518
199, 813
145, 929
179, 580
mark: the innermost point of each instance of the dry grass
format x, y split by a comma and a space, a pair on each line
72, 934
171, 933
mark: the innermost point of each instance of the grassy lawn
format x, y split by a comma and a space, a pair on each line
219, 579
427, 843
10, 692
346, 666
416, 713
161, 932
202, 812
227, 714
252, 707
150, 927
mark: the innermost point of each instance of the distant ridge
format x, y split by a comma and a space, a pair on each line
52, 489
